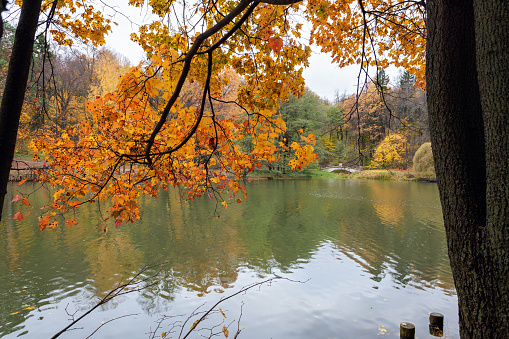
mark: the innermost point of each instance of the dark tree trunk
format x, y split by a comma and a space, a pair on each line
470, 147
15, 88
492, 48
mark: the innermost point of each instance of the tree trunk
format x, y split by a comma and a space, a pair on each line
492, 51
467, 139
15, 88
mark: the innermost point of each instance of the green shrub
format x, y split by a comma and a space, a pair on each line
341, 171
424, 165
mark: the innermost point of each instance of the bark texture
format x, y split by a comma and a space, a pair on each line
467, 144
15, 88
492, 50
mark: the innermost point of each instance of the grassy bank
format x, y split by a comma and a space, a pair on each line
366, 174
267, 174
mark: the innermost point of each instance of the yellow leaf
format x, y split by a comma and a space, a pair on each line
225, 331
163, 335
220, 310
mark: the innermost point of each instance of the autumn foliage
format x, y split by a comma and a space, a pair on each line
389, 154
424, 165
208, 87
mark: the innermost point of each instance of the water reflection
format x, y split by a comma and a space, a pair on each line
359, 241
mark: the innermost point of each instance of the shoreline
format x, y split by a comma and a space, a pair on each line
343, 174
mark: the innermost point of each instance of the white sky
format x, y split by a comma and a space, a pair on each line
322, 76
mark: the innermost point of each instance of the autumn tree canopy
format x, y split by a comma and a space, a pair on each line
147, 122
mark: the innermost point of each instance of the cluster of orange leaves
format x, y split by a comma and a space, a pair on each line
390, 32
106, 159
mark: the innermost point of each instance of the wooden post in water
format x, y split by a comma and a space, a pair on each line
406, 331
436, 324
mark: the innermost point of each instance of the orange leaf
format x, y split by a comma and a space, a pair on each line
43, 222
275, 44
25, 202
18, 216
71, 222
239, 201
22, 182
17, 197
74, 203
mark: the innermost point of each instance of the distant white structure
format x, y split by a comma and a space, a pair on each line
340, 166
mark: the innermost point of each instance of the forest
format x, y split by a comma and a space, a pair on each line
381, 128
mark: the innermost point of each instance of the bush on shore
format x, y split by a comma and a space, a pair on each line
424, 166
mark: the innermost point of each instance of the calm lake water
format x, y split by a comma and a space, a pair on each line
366, 256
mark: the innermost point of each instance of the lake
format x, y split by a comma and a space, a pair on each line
361, 257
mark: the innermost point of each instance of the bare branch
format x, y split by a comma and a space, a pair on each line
121, 289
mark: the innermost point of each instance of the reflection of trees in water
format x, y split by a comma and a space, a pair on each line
389, 229
202, 251
113, 259
283, 224
403, 244
387, 204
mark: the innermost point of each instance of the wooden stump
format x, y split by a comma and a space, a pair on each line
406, 331
436, 324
